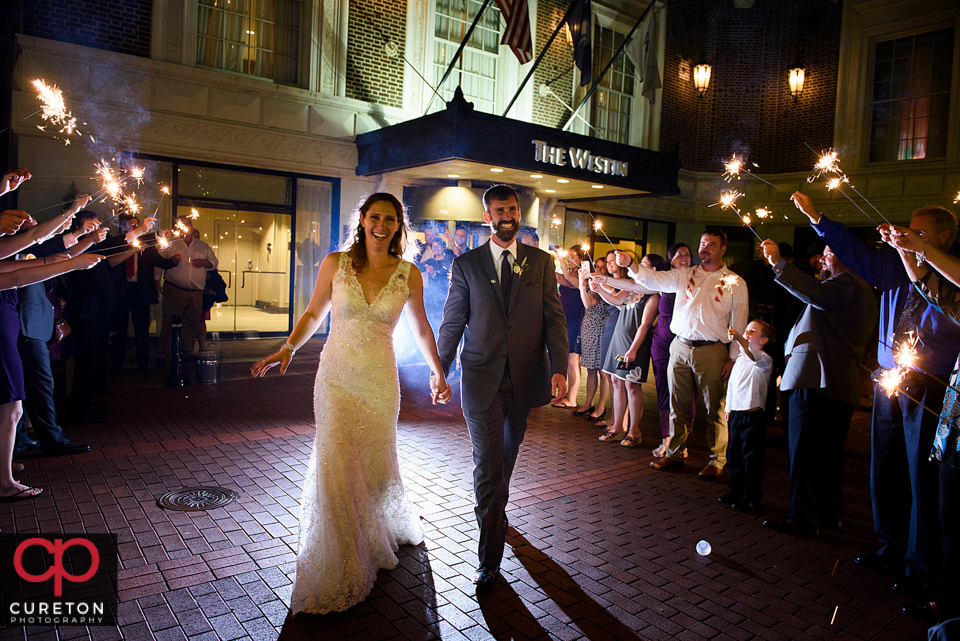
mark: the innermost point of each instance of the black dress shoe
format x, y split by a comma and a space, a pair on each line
874, 561
25, 445
727, 499
913, 586
485, 578
923, 611
792, 526
746, 506
581, 413
66, 449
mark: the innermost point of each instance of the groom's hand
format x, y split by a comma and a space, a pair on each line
558, 385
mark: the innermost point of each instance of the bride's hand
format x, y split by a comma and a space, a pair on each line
440, 391
281, 358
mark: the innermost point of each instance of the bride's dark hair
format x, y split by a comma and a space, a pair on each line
356, 246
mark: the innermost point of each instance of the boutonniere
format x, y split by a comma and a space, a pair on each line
522, 267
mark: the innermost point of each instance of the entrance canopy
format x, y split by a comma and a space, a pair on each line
462, 144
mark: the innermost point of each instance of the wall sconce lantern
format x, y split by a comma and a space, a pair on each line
796, 83
701, 78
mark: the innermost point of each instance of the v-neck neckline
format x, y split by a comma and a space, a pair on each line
376, 297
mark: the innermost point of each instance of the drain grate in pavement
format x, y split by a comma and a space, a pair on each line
196, 499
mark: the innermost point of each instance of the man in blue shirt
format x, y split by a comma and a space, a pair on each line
903, 482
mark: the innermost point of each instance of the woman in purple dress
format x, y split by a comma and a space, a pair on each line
677, 256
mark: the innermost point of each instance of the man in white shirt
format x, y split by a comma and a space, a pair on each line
183, 288
710, 300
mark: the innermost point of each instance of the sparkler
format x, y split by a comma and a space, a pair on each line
828, 162
53, 109
891, 380
727, 282
598, 226
957, 199
762, 213
728, 200
735, 165
906, 354
164, 191
585, 246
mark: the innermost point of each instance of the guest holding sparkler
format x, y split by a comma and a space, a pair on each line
183, 287
14, 274
678, 256
915, 250
903, 482
746, 398
13, 179
628, 359
823, 352
710, 300
591, 346
614, 299
573, 310
90, 306
137, 290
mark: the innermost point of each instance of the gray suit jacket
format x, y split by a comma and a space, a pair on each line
824, 348
532, 339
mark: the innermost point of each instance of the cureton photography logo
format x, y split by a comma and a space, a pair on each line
58, 579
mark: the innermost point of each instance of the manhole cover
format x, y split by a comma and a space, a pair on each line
196, 499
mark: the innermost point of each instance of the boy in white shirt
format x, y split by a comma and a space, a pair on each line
746, 400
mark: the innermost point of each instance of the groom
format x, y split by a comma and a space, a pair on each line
503, 302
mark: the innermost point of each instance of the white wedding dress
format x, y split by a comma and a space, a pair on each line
355, 513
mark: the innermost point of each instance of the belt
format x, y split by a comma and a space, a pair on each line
183, 289
687, 341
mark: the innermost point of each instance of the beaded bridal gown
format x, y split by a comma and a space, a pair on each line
355, 513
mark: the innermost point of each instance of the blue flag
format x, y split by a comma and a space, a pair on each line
580, 28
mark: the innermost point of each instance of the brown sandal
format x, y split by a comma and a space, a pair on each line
610, 435
630, 441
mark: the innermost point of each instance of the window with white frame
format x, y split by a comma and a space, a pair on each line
476, 70
613, 100
252, 37
911, 96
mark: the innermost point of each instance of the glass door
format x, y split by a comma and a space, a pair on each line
253, 250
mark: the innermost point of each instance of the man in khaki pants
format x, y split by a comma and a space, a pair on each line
183, 289
710, 299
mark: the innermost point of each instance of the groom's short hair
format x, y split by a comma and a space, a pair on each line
499, 192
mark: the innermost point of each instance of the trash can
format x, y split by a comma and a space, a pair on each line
209, 367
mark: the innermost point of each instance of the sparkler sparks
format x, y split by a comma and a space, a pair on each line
834, 183
891, 380
746, 219
585, 246
957, 199
728, 200
827, 163
54, 109
194, 214
906, 353
727, 282
163, 242
732, 169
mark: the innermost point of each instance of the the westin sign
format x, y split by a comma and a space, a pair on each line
578, 159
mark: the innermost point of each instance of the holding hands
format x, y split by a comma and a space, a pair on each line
440, 390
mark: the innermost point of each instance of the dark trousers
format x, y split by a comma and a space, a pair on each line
496, 435
139, 309
38, 383
818, 430
661, 362
89, 371
949, 599
904, 484
746, 455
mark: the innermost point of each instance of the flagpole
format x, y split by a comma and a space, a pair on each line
456, 56
536, 62
613, 58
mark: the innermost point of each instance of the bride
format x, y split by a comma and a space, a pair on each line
355, 513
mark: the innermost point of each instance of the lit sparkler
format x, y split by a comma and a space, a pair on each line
163, 242
131, 205
827, 163
891, 380
762, 213
164, 191
728, 281
957, 199
728, 200
194, 214
834, 183
53, 108
746, 219
906, 353
585, 246
598, 226
732, 169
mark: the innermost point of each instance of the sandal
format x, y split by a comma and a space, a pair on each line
22, 495
612, 435
579, 412
630, 441
660, 452
598, 418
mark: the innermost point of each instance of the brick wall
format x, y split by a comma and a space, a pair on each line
748, 107
372, 76
112, 25
556, 68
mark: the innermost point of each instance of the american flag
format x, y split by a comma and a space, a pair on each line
517, 34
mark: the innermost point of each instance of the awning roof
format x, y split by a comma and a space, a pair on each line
462, 144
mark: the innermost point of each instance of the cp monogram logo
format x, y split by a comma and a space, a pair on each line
56, 548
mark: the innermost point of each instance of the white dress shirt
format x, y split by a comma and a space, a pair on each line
706, 306
747, 386
185, 275
497, 251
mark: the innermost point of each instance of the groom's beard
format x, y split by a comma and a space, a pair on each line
507, 229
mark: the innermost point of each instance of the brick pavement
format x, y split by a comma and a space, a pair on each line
600, 545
